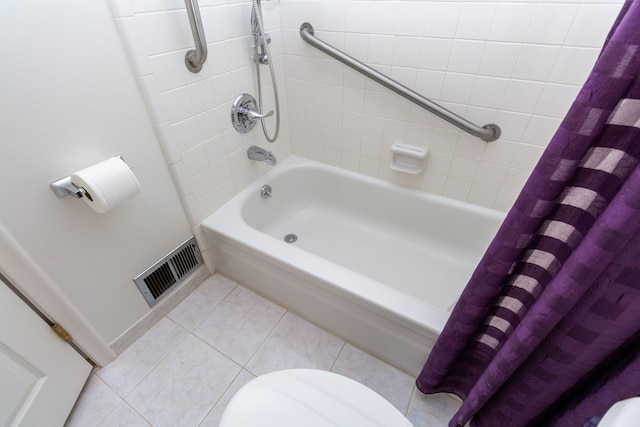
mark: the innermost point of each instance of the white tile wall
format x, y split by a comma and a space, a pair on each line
518, 64
191, 111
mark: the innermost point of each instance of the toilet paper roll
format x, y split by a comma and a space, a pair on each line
106, 184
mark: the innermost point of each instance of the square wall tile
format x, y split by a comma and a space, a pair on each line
201, 183
592, 24
383, 16
482, 196
505, 201
164, 31
380, 49
177, 103
535, 62
435, 54
551, 23
491, 175
195, 160
527, 156
488, 92
463, 169
573, 65
187, 134
457, 189
458, 88
411, 18
466, 56
511, 22
334, 15
499, 59
359, 14
152, 99
474, 21
406, 51
522, 96
540, 130
167, 143
442, 19
500, 152
556, 99
202, 95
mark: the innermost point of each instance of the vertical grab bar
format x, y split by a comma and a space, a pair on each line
195, 58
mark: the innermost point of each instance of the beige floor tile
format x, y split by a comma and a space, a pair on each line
239, 324
96, 401
205, 298
133, 364
389, 382
431, 409
185, 386
295, 343
214, 417
124, 416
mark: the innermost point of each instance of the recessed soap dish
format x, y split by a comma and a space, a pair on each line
408, 158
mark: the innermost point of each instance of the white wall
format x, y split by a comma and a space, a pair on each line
68, 100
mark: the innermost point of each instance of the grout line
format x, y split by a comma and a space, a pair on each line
344, 344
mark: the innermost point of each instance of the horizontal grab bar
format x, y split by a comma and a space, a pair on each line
489, 132
194, 59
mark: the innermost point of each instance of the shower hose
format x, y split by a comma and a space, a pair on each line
258, 16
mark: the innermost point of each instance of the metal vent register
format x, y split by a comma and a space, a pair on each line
169, 271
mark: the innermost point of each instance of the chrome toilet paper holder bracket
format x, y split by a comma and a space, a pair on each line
64, 187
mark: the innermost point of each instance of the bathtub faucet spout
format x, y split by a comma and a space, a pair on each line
260, 154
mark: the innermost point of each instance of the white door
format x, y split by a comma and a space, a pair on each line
40, 375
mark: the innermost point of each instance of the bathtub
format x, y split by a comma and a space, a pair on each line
374, 263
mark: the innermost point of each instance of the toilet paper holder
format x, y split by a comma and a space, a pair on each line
64, 187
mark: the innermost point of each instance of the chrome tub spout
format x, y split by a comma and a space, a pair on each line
261, 155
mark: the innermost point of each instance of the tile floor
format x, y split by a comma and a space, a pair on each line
186, 368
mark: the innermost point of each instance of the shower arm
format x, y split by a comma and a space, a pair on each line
194, 59
489, 132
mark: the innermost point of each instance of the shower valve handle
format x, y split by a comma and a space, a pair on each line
245, 114
254, 115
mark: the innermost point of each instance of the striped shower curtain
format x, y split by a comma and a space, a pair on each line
547, 332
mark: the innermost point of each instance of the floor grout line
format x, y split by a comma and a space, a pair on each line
212, 410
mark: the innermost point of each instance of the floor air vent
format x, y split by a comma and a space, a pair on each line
169, 271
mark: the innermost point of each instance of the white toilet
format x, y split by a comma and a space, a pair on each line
623, 414
310, 398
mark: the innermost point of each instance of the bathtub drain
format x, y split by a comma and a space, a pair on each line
290, 238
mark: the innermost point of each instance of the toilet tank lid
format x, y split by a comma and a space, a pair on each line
312, 398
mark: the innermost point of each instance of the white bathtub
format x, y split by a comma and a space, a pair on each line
375, 263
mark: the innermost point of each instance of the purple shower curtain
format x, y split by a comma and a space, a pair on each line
547, 332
